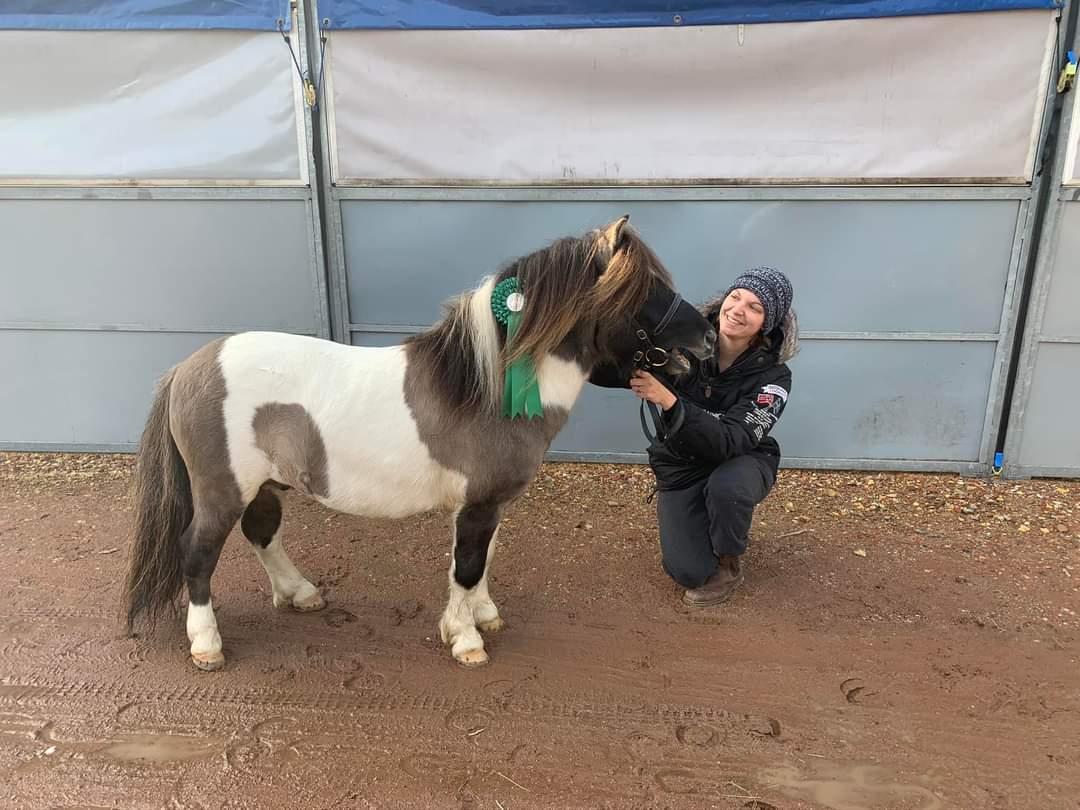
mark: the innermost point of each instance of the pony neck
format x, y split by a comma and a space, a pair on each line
560, 380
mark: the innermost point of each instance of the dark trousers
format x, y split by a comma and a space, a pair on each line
712, 517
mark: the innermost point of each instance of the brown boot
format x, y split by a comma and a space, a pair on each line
719, 587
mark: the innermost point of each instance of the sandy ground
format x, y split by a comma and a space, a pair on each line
902, 641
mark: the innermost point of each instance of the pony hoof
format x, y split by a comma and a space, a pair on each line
309, 604
472, 658
208, 662
494, 626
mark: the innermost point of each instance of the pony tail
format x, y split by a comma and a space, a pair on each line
163, 510
790, 327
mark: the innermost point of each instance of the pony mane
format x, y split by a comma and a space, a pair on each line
581, 280
573, 280
463, 351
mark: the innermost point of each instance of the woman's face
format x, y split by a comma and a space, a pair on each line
741, 315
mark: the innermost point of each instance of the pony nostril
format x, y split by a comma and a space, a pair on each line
710, 338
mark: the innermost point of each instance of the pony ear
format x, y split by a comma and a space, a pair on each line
613, 233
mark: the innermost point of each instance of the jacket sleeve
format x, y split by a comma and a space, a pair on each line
696, 433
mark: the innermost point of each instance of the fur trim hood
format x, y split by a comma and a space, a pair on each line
786, 335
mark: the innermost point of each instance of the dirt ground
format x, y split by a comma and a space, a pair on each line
902, 641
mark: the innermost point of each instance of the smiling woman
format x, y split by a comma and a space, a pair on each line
713, 458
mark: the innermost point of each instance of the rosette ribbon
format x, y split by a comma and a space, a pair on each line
521, 391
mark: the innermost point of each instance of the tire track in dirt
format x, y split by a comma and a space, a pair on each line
23, 691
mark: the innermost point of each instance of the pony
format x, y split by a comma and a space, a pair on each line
388, 432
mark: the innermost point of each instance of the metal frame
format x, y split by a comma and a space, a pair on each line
64, 447
488, 193
337, 296
1033, 338
314, 204
970, 468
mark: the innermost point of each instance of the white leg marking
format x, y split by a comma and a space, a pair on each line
457, 627
203, 634
485, 613
290, 586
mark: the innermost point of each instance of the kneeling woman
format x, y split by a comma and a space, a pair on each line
713, 457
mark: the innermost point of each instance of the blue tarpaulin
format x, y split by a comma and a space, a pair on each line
134, 15
466, 14
263, 15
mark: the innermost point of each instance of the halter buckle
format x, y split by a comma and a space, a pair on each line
661, 352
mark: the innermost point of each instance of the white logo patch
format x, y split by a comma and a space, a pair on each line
778, 390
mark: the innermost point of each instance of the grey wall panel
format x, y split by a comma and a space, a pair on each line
856, 265
181, 264
378, 338
887, 400
1051, 438
850, 399
80, 388
1062, 315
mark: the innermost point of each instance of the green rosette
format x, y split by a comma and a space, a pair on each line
521, 392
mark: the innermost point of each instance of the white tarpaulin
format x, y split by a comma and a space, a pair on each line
148, 105
950, 97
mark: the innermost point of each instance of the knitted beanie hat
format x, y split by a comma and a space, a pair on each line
773, 290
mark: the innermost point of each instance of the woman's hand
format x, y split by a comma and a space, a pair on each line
647, 387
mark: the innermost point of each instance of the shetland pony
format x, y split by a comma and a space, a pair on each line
387, 432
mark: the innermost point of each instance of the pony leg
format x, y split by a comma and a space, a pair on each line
485, 613
261, 525
203, 540
473, 529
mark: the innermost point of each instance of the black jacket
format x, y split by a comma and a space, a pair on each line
718, 415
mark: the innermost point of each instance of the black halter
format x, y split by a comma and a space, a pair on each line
650, 355
650, 358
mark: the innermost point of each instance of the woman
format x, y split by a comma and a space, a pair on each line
713, 457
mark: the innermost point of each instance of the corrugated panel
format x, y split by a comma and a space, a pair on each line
1051, 437
83, 388
920, 266
906, 267
180, 264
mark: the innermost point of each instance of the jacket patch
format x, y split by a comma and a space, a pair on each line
776, 391
759, 416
